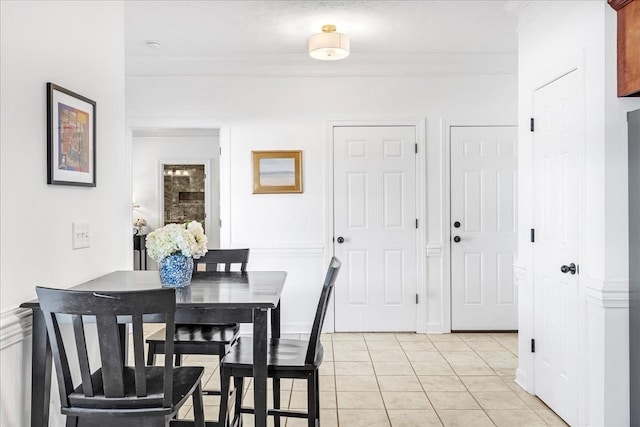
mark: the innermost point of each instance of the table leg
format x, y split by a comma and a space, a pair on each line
260, 338
275, 333
40, 372
275, 322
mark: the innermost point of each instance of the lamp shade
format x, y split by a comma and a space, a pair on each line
329, 45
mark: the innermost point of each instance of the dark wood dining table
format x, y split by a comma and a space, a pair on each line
212, 297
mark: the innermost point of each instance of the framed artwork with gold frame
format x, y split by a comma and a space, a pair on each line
277, 172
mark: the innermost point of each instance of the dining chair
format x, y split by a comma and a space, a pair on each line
115, 392
208, 339
214, 258
286, 358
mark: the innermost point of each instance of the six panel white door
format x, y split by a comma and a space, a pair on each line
483, 227
556, 139
375, 214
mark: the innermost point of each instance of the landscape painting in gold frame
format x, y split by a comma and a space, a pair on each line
277, 172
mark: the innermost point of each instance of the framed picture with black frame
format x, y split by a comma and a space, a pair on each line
71, 138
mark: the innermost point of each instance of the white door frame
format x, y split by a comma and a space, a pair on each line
207, 186
525, 374
445, 230
421, 197
169, 123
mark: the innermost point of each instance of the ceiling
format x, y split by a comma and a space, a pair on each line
240, 37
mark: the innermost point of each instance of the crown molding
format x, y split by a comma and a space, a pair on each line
402, 64
514, 7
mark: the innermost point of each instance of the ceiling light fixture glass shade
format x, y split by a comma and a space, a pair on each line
329, 45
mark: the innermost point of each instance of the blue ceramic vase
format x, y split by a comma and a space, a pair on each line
175, 271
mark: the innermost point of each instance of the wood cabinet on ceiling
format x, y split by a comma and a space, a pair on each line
628, 46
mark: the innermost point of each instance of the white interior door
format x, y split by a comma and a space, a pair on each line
483, 227
375, 228
556, 142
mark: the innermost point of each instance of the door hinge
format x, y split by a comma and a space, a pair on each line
416, 147
533, 345
533, 235
220, 221
532, 124
416, 222
416, 298
220, 150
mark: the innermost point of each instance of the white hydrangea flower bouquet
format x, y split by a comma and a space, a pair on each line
186, 239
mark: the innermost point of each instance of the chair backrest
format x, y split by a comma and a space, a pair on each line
226, 257
321, 311
106, 310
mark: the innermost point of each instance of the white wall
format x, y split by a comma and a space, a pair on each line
150, 148
555, 37
289, 231
79, 46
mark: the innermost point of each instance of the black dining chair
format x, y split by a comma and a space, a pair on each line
110, 390
216, 258
286, 358
209, 339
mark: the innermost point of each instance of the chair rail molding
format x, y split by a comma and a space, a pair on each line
607, 293
283, 249
16, 324
434, 249
519, 273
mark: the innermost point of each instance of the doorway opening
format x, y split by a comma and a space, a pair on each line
184, 194
176, 178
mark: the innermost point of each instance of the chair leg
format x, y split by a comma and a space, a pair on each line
276, 400
71, 421
178, 359
198, 408
317, 375
239, 385
311, 400
151, 355
225, 380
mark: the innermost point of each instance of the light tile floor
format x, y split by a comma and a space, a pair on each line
408, 379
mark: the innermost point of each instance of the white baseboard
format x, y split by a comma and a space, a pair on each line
522, 379
436, 328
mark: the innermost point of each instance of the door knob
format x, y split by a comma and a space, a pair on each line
457, 239
571, 268
340, 239
456, 224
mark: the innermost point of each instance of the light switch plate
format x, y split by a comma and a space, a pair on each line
81, 235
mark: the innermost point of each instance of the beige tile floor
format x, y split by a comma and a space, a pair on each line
408, 379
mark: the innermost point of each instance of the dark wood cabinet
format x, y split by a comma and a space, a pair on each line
628, 46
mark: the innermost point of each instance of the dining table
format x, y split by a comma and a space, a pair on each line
212, 297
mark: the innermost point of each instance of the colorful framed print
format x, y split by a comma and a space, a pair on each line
277, 172
71, 138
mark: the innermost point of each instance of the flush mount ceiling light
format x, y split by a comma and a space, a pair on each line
152, 44
329, 45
